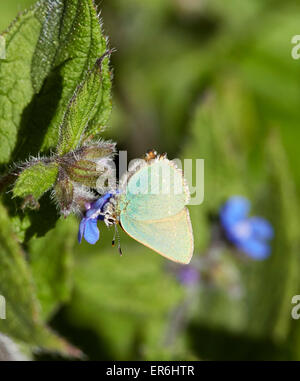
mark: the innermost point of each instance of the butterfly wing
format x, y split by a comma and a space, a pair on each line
171, 237
157, 190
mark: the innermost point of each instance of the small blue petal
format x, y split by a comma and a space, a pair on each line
261, 228
234, 210
81, 229
91, 232
248, 234
97, 205
255, 249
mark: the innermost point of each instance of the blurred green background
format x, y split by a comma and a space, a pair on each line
197, 79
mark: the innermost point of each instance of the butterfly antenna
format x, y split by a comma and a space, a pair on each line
116, 235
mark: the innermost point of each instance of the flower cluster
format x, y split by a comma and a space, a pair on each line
80, 173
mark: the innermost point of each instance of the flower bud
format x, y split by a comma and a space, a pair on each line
84, 172
97, 150
63, 192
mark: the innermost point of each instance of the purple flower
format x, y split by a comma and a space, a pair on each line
188, 275
249, 234
88, 225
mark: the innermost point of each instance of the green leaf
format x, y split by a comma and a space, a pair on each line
98, 123
23, 320
35, 180
49, 50
51, 261
15, 78
81, 110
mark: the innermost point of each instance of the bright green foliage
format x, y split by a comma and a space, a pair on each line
81, 43
35, 180
15, 77
49, 50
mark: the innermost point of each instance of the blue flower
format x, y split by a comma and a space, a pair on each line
88, 225
249, 234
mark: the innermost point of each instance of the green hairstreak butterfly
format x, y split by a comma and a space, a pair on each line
150, 206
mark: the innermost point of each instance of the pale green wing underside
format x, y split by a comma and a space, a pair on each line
171, 237
155, 191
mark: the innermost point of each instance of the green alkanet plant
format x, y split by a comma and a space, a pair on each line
76, 156
55, 102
